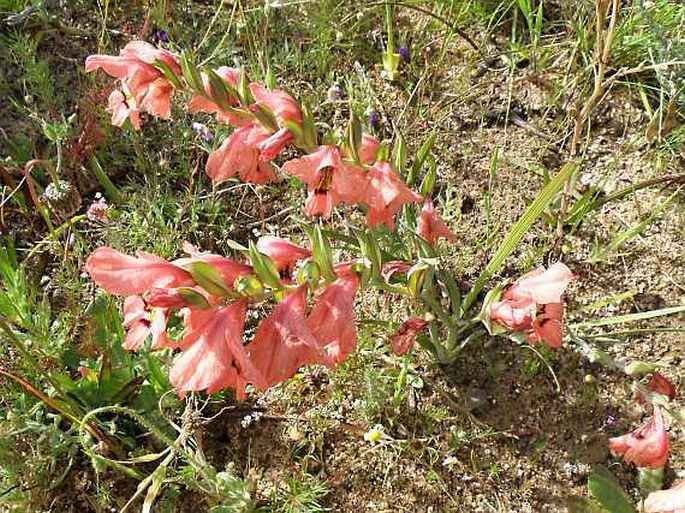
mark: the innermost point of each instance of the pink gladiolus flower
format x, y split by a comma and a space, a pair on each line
141, 321
283, 342
282, 252
122, 106
134, 66
203, 104
331, 321
405, 336
430, 227
329, 180
126, 276
646, 447
216, 358
667, 501
239, 154
385, 195
533, 304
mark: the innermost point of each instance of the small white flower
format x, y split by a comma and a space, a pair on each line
374, 434
449, 461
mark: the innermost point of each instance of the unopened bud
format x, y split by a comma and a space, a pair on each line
249, 285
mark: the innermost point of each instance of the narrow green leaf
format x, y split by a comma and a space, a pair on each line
519, 230
620, 319
608, 493
421, 156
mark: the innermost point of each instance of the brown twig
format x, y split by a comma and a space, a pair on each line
604, 41
92, 430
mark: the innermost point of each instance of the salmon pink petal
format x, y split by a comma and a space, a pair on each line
659, 384
283, 252
646, 447
319, 202
543, 286
386, 193
216, 359
270, 147
547, 325
281, 104
157, 99
125, 275
331, 321
368, 149
430, 227
136, 322
405, 336
141, 321
283, 342
513, 315
117, 67
233, 156
122, 108
309, 167
667, 501
349, 183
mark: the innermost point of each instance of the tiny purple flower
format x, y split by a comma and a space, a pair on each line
161, 36
202, 131
334, 92
610, 421
374, 120
404, 54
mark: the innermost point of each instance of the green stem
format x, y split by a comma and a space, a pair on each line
111, 190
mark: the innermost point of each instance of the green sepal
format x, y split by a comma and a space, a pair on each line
168, 73
428, 182
398, 158
638, 368
193, 297
294, 128
322, 253
370, 250
191, 73
353, 136
244, 92
264, 268
221, 92
309, 273
264, 116
308, 128
416, 278
209, 279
